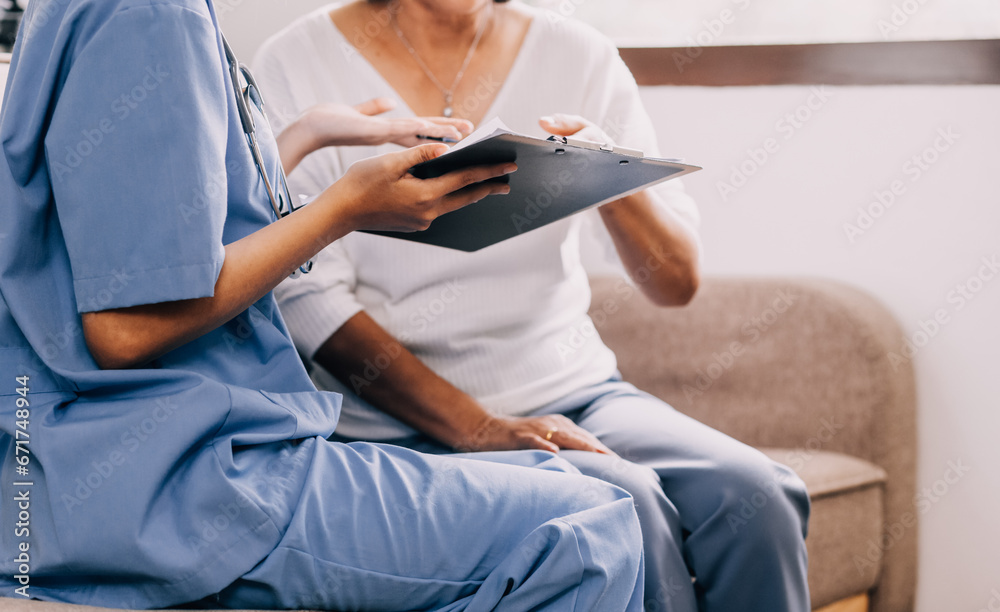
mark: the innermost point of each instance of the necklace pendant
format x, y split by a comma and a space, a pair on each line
447, 112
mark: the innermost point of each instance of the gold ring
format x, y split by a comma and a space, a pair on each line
548, 435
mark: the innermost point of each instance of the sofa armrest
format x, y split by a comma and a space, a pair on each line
793, 363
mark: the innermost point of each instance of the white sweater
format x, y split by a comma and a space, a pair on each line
507, 324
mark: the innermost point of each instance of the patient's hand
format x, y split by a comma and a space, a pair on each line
550, 432
343, 125
575, 126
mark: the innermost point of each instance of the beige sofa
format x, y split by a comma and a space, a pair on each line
798, 368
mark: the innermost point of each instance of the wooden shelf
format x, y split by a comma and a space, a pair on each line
858, 603
935, 62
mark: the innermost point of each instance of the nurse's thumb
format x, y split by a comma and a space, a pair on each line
416, 155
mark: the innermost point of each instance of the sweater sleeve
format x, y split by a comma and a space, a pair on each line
613, 103
317, 304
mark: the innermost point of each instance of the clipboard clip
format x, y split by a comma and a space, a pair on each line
596, 146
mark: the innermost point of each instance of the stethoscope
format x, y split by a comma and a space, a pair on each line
281, 200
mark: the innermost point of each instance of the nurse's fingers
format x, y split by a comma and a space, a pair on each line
404, 160
375, 106
470, 194
459, 179
407, 131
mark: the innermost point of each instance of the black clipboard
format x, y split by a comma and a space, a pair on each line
556, 178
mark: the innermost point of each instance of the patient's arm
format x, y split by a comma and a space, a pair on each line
659, 250
412, 393
330, 125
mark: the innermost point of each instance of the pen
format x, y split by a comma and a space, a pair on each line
437, 139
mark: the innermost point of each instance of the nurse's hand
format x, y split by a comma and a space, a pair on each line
379, 193
333, 125
550, 432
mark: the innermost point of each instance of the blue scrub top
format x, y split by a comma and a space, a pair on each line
124, 172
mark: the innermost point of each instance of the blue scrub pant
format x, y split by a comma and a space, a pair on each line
381, 527
710, 507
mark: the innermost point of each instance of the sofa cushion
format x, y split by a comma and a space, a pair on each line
846, 523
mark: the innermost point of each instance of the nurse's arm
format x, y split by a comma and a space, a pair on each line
411, 392
377, 193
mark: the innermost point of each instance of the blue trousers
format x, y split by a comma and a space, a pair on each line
385, 528
723, 526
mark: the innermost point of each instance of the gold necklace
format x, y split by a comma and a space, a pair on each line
448, 93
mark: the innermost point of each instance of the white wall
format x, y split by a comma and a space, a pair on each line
248, 23
788, 219
707, 22
3, 76
754, 22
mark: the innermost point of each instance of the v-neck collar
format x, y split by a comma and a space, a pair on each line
347, 49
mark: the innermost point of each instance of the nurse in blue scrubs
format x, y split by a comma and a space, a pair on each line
177, 447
